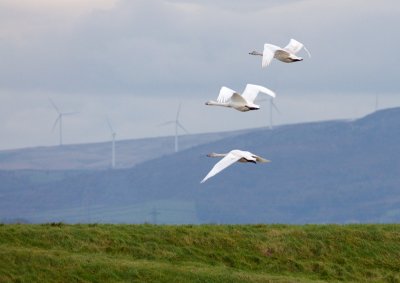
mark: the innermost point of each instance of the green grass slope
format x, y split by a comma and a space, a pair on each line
204, 253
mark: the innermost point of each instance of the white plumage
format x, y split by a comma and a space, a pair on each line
230, 98
286, 54
231, 157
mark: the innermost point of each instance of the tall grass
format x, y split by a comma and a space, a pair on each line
205, 253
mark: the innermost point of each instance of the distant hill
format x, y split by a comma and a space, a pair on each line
323, 172
98, 155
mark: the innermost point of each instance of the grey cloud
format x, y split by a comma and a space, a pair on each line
157, 47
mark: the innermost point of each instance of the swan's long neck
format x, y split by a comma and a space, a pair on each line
256, 53
215, 103
216, 154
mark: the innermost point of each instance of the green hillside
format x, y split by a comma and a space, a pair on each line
205, 253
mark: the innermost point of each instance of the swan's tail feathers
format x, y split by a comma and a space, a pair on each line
262, 160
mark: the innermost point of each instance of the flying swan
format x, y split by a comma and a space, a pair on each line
286, 54
230, 158
245, 102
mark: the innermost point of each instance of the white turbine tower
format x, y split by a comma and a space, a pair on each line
376, 102
59, 119
113, 134
177, 125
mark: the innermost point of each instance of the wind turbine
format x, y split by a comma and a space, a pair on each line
177, 125
113, 134
272, 107
59, 119
376, 102
154, 213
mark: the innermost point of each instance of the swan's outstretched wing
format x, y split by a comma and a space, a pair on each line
251, 91
268, 54
294, 46
228, 160
237, 99
225, 94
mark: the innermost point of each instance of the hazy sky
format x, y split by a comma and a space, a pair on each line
136, 60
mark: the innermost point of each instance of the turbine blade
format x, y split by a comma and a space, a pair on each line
182, 127
275, 107
54, 105
70, 113
166, 123
262, 99
309, 54
177, 113
56, 122
110, 126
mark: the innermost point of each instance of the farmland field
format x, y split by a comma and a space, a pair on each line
57, 252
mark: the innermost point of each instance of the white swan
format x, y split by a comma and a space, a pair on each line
286, 54
245, 102
231, 157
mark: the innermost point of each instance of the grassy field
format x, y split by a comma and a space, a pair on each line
206, 253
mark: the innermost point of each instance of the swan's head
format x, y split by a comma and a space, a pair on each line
213, 154
255, 53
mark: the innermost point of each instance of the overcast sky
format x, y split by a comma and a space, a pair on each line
136, 60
